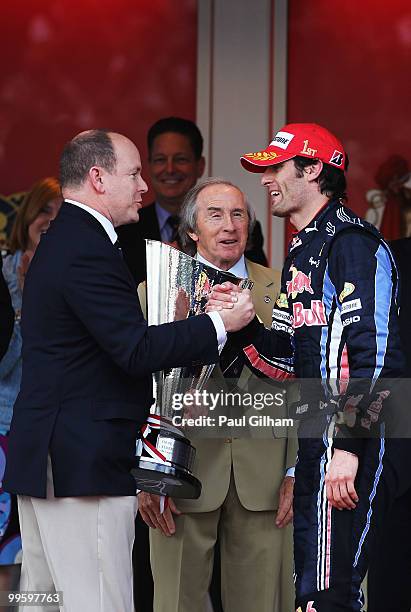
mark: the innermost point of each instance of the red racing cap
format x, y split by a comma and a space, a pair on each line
305, 139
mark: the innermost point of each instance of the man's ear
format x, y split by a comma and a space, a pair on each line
96, 179
313, 171
193, 236
200, 167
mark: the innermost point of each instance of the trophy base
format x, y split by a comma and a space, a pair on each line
160, 479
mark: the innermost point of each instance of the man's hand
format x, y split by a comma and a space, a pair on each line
223, 296
285, 506
241, 314
182, 305
235, 306
195, 408
340, 479
149, 508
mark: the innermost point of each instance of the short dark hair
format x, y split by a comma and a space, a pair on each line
88, 149
332, 180
179, 126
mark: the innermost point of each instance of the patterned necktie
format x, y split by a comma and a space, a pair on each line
173, 222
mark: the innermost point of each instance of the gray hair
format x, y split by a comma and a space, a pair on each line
88, 149
188, 215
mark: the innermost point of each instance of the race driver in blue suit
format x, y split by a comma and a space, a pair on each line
338, 307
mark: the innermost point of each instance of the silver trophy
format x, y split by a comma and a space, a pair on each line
177, 287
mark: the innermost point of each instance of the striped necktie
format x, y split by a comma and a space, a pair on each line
173, 222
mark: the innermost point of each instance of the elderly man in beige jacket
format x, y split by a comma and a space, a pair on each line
246, 499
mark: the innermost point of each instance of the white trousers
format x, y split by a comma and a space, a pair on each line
81, 546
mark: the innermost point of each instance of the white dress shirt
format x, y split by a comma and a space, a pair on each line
106, 223
239, 269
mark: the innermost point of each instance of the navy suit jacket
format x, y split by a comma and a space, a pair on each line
6, 314
88, 356
132, 239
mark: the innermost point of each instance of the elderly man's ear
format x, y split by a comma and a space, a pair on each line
193, 236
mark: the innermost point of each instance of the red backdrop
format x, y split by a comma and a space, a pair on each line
349, 69
70, 65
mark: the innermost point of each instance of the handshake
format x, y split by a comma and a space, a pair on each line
234, 305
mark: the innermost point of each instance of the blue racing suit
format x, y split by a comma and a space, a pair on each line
338, 309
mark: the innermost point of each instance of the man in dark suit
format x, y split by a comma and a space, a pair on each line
6, 314
176, 162
86, 386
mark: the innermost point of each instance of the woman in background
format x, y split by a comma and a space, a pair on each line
6, 315
39, 207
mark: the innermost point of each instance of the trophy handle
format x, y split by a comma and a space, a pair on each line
166, 460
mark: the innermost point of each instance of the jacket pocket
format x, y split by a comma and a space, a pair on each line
110, 409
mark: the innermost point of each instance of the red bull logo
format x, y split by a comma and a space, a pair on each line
374, 409
299, 282
309, 316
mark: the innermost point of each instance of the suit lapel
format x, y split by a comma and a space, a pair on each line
265, 290
73, 211
148, 224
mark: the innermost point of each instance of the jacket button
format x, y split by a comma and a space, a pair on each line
267, 299
228, 440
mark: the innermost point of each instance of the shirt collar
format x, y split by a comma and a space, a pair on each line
308, 232
239, 269
106, 223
